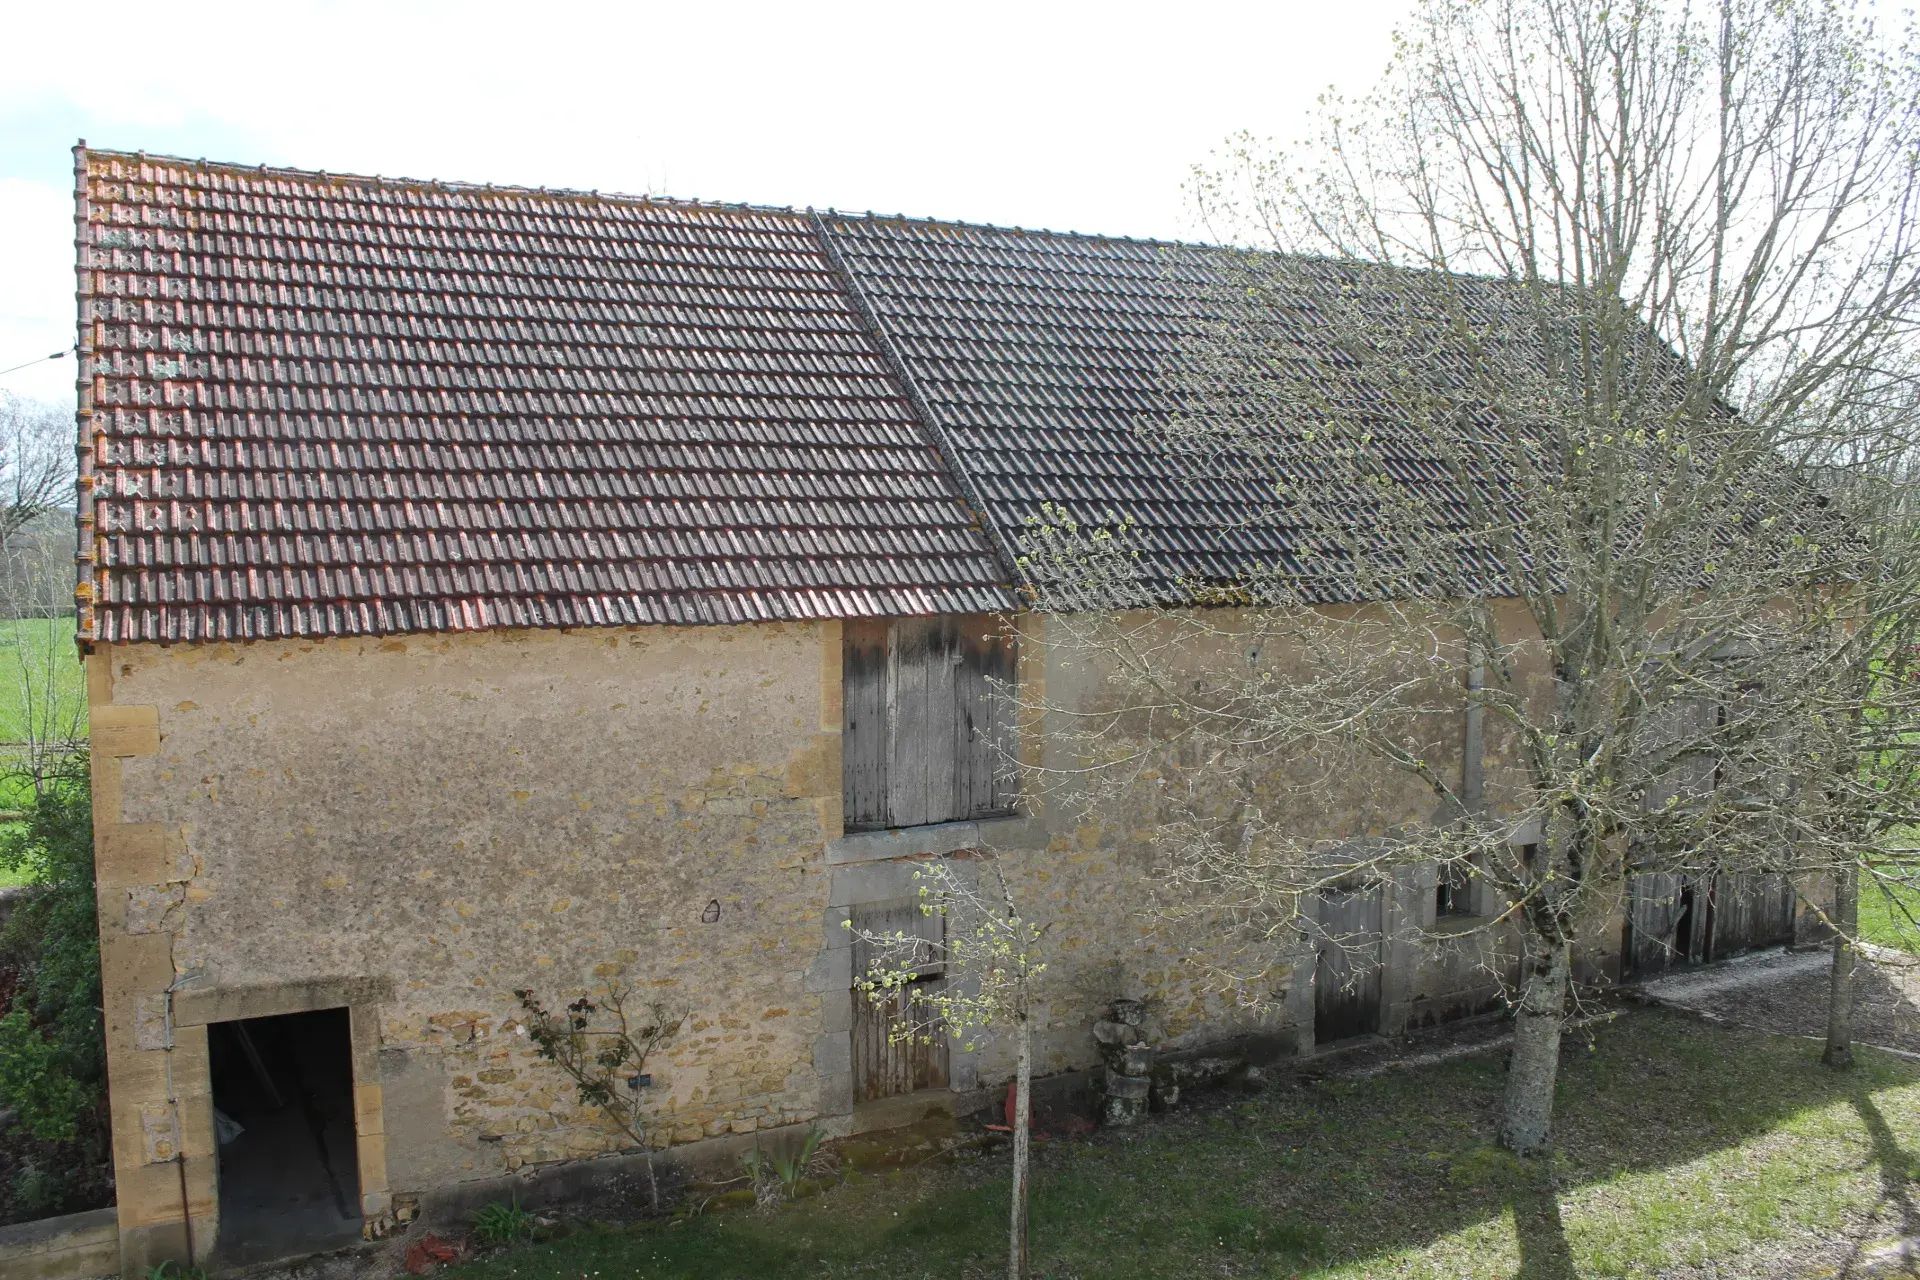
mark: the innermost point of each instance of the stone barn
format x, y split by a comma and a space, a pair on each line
487, 589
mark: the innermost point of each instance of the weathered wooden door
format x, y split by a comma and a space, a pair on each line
1749, 910
923, 734
1666, 923
884, 1063
1346, 979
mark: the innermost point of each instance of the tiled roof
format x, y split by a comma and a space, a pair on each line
1039, 357
345, 406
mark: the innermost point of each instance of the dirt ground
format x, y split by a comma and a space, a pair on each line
1786, 991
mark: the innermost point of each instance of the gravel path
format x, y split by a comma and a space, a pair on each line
1787, 991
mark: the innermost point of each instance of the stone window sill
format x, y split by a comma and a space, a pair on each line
939, 837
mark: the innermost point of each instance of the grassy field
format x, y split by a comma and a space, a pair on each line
1891, 923
37, 656
1682, 1145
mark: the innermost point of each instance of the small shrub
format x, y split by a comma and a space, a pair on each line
37, 1082
501, 1224
52, 1045
37, 1190
173, 1271
54, 1149
791, 1171
777, 1177
605, 1050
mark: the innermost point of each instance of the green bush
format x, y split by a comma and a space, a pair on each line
52, 1046
501, 1224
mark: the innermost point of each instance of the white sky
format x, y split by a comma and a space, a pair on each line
1070, 116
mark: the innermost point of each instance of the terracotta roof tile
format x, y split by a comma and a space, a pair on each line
343, 406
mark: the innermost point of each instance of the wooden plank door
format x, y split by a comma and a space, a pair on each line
921, 718
1668, 920
927, 726
1346, 979
1750, 910
863, 729
883, 1065
984, 720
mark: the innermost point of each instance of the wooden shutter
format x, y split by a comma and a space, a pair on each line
984, 720
924, 728
863, 742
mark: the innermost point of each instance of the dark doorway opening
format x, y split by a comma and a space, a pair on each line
1685, 928
1667, 924
283, 1109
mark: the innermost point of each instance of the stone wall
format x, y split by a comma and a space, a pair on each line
415, 828
419, 827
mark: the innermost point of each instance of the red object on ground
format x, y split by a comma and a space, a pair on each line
429, 1251
1010, 1111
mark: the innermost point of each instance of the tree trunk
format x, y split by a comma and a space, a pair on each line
1846, 915
1022, 1107
1527, 1125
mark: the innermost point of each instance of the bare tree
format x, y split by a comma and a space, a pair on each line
1546, 352
990, 956
46, 719
36, 463
1863, 790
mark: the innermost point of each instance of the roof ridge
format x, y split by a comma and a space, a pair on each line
964, 225
630, 198
440, 184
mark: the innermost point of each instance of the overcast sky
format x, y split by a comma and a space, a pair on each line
1067, 116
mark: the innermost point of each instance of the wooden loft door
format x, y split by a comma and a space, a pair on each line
925, 729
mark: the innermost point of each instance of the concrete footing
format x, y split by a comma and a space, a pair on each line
75, 1246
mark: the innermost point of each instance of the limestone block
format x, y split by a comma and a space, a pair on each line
125, 731
832, 969
367, 1109
140, 853
133, 965
372, 1150
150, 1025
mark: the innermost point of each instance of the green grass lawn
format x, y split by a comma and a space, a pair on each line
1681, 1143
1889, 920
38, 655
40, 679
